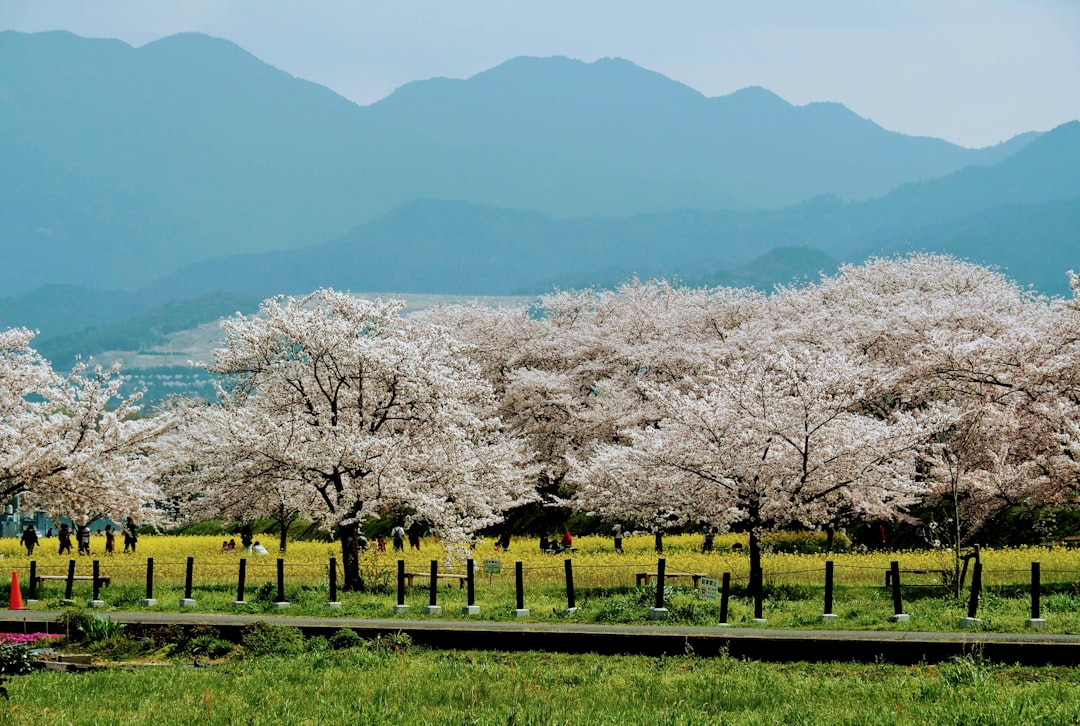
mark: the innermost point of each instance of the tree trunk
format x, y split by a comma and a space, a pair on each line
755, 561
829, 531
284, 536
659, 542
349, 534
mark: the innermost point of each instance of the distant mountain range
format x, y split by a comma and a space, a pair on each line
145, 188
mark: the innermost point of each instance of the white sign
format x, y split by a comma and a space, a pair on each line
707, 589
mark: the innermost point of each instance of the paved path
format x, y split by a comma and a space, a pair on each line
893, 646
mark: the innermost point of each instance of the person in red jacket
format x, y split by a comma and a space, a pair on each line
567, 541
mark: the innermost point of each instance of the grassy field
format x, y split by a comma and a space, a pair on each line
605, 584
409, 686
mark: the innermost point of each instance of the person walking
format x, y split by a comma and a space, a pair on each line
82, 533
131, 535
65, 539
398, 533
110, 540
616, 532
29, 539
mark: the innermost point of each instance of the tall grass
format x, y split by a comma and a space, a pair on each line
413, 686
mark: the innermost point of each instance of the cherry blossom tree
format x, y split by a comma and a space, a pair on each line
70, 445
765, 440
358, 411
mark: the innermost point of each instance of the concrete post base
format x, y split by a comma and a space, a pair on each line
433, 610
658, 613
187, 602
96, 604
901, 618
1035, 623
523, 613
398, 608
239, 603
828, 617
569, 611
760, 621
148, 602
280, 605
66, 603
333, 604
470, 610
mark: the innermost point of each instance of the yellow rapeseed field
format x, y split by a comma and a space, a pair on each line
595, 564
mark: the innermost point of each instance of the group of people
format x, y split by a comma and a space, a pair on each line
247, 543
30, 538
555, 544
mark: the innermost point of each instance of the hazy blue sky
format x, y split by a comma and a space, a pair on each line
971, 71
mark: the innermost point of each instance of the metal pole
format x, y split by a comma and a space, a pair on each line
828, 586
188, 577
570, 585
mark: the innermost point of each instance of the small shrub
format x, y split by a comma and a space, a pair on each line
964, 670
266, 594
318, 644
97, 629
393, 643
345, 638
210, 646
14, 660
268, 639
84, 627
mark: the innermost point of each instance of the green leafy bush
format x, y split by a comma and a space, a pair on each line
268, 639
210, 646
14, 660
345, 638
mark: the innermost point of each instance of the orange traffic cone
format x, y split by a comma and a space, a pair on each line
16, 594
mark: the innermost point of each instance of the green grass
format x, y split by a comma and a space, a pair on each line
390, 686
858, 608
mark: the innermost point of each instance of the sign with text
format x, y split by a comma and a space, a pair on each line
707, 589
492, 566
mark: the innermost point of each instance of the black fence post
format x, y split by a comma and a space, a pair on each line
898, 615
1036, 586
570, 604
661, 573
280, 600
828, 613
433, 590
32, 591
333, 602
658, 611
240, 582
1036, 622
400, 583
97, 581
189, 573
149, 578
470, 581
976, 588
519, 588
725, 596
70, 580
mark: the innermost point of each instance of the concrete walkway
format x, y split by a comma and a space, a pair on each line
901, 647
